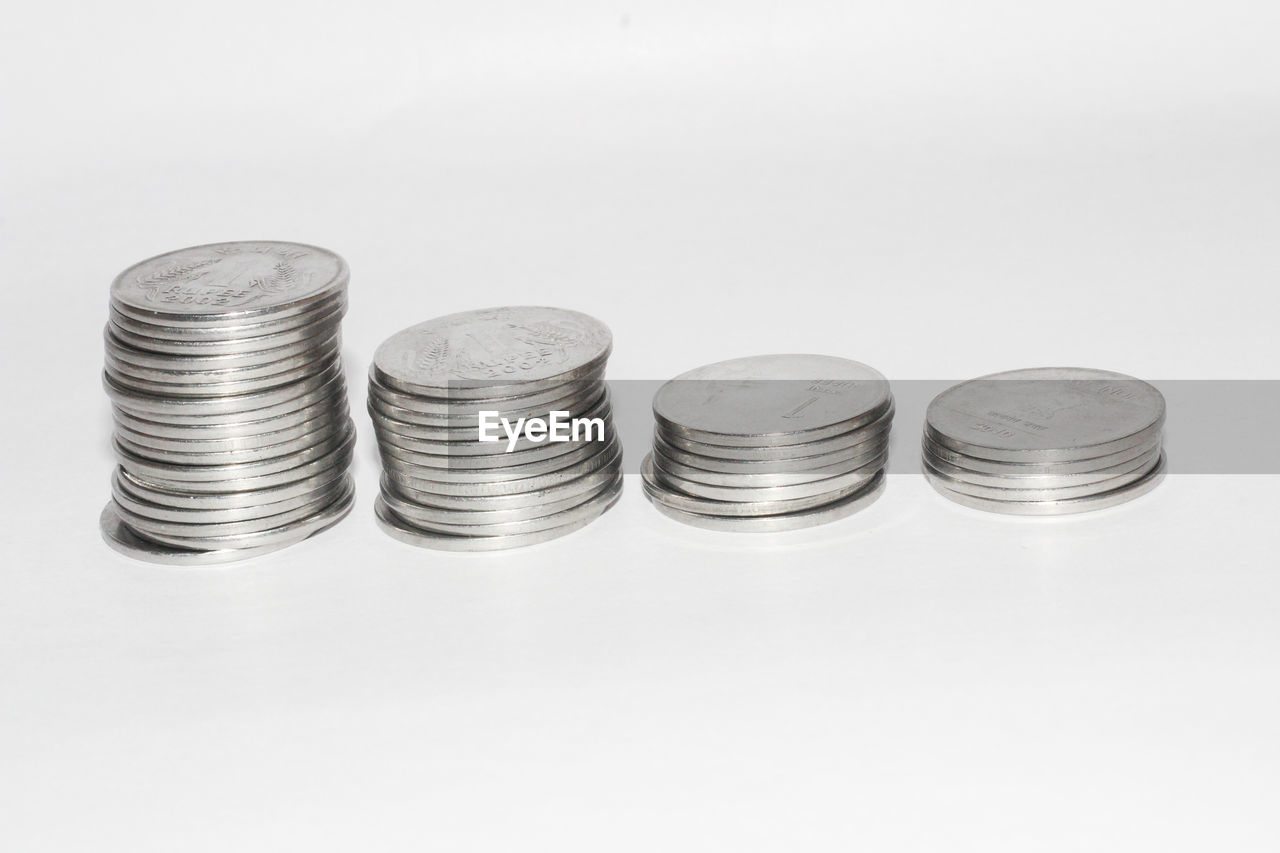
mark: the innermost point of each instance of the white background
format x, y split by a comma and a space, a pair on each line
938, 189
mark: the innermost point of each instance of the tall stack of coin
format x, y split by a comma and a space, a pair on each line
232, 431
1045, 441
769, 443
445, 488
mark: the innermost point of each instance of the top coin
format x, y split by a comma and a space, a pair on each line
771, 399
1045, 413
520, 346
230, 281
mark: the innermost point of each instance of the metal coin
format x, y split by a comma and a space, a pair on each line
229, 281
331, 405
330, 428
1103, 500
567, 490
400, 530
118, 535
1040, 481
228, 478
500, 522
318, 328
397, 463
1046, 415
146, 526
610, 456
657, 491
168, 361
257, 406
462, 425
771, 399
1040, 469
451, 410
765, 478
494, 352
288, 532
471, 446
260, 326
1054, 493
746, 493
243, 499
139, 505
824, 514
792, 457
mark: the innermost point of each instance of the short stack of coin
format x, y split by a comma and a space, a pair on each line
232, 433
445, 488
1045, 441
769, 443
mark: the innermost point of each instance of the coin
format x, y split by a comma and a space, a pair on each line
1102, 500
493, 352
1045, 414
773, 399
223, 367
844, 507
770, 442
442, 486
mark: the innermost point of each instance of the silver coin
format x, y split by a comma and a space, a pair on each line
765, 478
259, 326
139, 505
771, 399
118, 535
155, 493
396, 462
1054, 493
179, 374
339, 457
497, 503
317, 328
1022, 480
229, 281
463, 424
790, 457
169, 361
399, 530
512, 522
609, 457
331, 429
225, 388
146, 526
241, 442
332, 404
1041, 469
843, 508
493, 352
750, 494
656, 490
502, 449
288, 532
1103, 500
450, 410
207, 477
256, 406
1046, 415
773, 452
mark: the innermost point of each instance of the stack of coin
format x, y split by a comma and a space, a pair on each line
232, 432
1045, 441
769, 443
443, 486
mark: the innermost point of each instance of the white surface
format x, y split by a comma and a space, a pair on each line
939, 190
